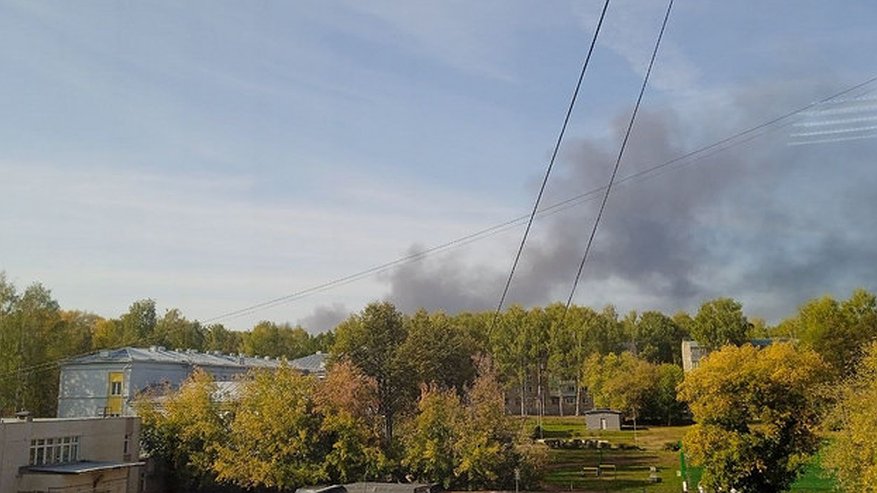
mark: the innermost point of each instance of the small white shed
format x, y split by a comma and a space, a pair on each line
603, 419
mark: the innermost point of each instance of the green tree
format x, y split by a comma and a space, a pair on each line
218, 338
852, 454
756, 413
511, 347
370, 340
437, 350
173, 330
662, 402
137, 326
622, 382
836, 330
430, 438
658, 338
270, 339
720, 322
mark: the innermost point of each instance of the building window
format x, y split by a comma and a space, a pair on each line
54, 450
116, 388
126, 445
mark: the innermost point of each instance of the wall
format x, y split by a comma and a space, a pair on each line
101, 439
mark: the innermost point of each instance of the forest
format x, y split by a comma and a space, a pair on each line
416, 395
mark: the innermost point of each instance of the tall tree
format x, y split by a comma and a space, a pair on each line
270, 339
438, 351
173, 330
756, 413
720, 322
658, 338
370, 340
138, 324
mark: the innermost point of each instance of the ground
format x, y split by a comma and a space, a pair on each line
565, 469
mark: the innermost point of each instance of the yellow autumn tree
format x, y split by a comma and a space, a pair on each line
274, 440
348, 402
852, 455
756, 412
182, 430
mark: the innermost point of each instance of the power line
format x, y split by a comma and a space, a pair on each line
572, 103
639, 99
691, 157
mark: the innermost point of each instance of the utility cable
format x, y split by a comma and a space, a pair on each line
639, 99
572, 104
691, 157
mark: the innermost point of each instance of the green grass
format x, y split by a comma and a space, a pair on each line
565, 467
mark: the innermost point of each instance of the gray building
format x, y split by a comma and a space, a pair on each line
106, 383
70, 455
603, 419
693, 352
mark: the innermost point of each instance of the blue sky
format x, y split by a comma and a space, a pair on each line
212, 155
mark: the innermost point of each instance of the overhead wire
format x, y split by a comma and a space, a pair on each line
621, 150
545, 178
691, 157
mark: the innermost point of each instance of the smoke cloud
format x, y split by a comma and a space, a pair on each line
764, 222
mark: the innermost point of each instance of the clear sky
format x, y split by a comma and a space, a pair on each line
212, 155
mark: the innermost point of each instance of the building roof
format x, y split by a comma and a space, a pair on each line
189, 357
80, 467
314, 363
603, 411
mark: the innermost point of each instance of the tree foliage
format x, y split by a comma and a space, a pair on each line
852, 454
370, 340
183, 430
756, 413
720, 322
465, 442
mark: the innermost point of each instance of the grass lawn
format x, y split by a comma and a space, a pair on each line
631, 473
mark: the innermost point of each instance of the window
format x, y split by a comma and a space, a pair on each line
116, 388
125, 446
54, 450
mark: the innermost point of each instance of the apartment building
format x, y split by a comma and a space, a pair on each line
76, 455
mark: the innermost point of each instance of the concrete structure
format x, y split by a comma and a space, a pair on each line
70, 455
554, 400
603, 419
693, 352
106, 383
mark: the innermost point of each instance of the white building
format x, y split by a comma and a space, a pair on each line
106, 383
70, 455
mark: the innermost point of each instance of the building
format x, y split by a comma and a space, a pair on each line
603, 419
554, 400
70, 455
106, 383
693, 352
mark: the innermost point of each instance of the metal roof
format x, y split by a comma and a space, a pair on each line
158, 354
314, 363
80, 467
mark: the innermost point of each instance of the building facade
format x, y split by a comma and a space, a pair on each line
106, 383
70, 455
